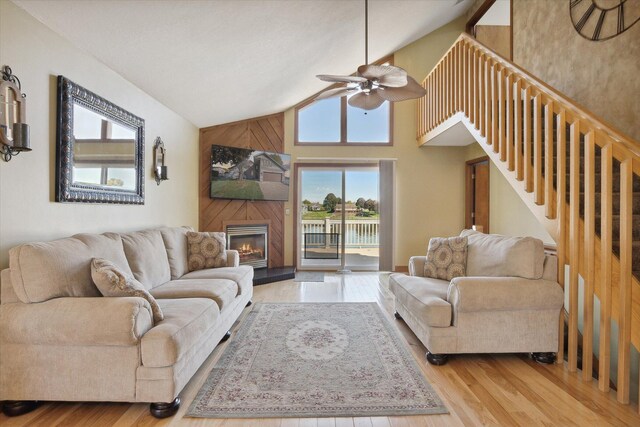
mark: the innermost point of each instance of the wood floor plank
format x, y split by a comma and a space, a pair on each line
326, 422
289, 422
362, 422
344, 422
476, 389
380, 422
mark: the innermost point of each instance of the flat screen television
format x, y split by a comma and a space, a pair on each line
240, 173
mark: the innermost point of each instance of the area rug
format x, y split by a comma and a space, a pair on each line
309, 276
315, 360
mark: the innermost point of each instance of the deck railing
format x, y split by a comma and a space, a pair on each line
360, 233
571, 169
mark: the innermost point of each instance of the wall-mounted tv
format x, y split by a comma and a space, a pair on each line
239, 173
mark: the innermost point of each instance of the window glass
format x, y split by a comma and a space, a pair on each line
320, 121
87, 175
368, 126
124, 178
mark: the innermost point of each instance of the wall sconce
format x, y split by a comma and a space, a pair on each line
14, 132
159, 169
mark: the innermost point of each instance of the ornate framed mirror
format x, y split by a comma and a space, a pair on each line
100, 149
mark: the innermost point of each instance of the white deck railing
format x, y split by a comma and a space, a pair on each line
360, 233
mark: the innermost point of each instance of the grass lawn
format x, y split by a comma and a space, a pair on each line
316, 215
236, 190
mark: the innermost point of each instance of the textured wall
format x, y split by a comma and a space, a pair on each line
495, 37
601, 76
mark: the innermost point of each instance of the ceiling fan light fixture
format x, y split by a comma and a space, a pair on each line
379, 82
366, 100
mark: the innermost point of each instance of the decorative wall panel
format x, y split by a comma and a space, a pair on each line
262, 133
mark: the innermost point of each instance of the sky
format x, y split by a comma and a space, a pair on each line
317, 184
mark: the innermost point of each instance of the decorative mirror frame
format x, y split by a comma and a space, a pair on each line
70, 93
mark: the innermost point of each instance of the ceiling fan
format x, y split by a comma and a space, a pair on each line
373, 84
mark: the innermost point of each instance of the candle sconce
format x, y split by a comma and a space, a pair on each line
14, 132
159, 169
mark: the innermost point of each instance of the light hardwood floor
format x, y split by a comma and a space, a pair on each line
503, 390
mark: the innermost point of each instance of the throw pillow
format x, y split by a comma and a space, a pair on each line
206, 250
446, 258
112, 282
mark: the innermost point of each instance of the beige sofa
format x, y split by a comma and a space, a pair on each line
509, 301
60, 340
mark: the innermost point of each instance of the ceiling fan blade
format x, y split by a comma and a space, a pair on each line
341, 79
369, 101
340, 91
411, 91
386, 75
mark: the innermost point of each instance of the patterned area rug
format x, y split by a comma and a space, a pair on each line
315, 360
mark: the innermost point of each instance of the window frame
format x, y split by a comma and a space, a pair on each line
343, 119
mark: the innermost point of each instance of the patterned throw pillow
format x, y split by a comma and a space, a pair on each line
112, 282
206, 250
446, 258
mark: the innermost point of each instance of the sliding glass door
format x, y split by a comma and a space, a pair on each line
338, 217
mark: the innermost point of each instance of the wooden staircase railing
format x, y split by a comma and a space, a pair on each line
573, 170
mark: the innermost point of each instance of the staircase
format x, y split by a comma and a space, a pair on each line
578, 175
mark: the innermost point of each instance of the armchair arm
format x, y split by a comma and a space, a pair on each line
119, 321
233, 258
416, 265
471, 294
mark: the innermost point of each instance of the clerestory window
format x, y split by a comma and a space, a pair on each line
333, 121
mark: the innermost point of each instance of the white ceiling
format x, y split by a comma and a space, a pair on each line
217, 61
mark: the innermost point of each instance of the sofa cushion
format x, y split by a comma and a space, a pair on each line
206, 250
493, 255
424, 297
222, 291
446, 258
175, 241
186, 323
147, 257
108, 246
61, 268
242, 275
113, 282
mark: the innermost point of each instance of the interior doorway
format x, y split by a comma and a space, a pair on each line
338, 217
477, 194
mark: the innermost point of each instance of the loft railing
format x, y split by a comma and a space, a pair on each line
574, 171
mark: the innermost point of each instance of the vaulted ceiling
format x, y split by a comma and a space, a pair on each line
217, 61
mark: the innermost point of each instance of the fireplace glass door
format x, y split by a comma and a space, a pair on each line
251, 244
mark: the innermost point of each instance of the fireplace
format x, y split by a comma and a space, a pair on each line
251, 243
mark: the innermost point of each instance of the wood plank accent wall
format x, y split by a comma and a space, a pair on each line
262, 133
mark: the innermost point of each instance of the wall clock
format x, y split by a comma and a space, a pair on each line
599, 20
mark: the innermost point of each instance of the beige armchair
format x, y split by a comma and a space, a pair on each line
509, 302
